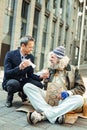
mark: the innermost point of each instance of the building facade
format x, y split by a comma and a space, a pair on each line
50, 22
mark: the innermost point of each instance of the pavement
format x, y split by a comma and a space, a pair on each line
10, 119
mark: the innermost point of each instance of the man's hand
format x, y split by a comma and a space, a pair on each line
25, 63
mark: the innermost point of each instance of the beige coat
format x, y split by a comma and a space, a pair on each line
73, 79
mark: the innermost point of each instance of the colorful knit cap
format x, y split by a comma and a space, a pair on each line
59, 51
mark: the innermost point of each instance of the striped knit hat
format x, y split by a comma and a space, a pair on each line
59, 51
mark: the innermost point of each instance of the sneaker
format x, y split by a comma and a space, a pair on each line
61, 119
34, 117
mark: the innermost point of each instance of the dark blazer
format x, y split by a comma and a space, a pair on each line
11, 67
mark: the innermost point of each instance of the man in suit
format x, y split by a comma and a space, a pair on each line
18, 70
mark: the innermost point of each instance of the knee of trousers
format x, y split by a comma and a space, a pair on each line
12, 86
80, 100
26, 87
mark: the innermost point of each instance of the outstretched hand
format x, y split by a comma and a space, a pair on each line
44, 74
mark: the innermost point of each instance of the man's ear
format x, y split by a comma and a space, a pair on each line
22, 45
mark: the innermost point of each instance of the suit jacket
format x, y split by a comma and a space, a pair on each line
11, 67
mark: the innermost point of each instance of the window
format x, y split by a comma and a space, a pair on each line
85, 22
38, 1
65, 37
44, 32
41, 61
4, 49
24, 11
52, 36
8, 23
45, 23
36, 18
76, 55
10, 5
67, 12
61, 4
23, 29
44, 39
52, 43
54, 6
70, 49
47, 4
84, 32
59, 38
35, 37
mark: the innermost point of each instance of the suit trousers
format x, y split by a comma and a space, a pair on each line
12, 86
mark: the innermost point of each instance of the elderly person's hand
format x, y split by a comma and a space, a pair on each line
44, 74
64, 94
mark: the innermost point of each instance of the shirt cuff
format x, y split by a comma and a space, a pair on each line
70, 93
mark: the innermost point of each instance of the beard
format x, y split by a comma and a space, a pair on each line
54, 66
61, 64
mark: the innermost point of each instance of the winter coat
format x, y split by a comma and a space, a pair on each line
73, 79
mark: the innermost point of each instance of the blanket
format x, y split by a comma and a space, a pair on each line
70, 118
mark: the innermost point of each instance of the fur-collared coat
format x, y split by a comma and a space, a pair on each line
73, 79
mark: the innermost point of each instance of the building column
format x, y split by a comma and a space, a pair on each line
70, 30
2, 14
85, 41
75, 6
62, 40
49, 31
57, 25
39, 36
16, 29
30, 18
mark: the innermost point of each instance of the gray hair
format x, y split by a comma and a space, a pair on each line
26, 39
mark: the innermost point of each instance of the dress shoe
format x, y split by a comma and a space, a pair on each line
23, 98
8, 104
